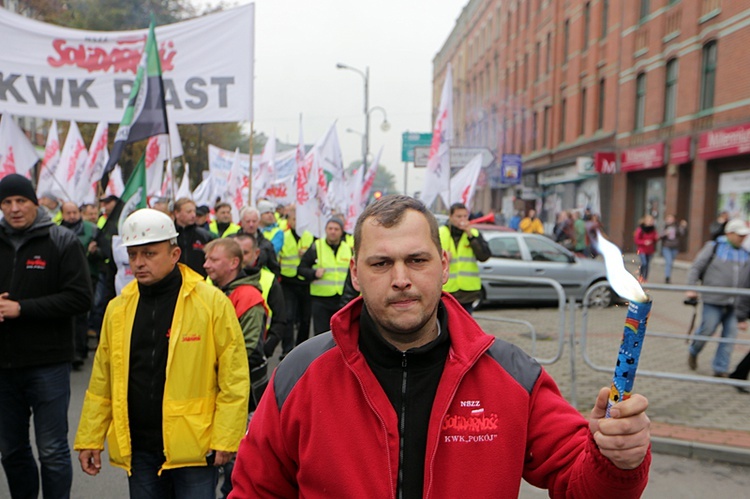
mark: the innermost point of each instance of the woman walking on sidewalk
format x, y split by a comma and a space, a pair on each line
671, 240
645, 237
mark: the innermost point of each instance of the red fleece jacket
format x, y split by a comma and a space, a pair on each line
325, 428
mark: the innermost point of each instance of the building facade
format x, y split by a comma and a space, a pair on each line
624, 107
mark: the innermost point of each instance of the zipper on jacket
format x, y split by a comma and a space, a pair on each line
153, 350
402, 428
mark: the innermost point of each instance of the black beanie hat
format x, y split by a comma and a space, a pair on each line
17, 185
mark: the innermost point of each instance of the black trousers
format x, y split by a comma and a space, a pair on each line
323, 308
298, 313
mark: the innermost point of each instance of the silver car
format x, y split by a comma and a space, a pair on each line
518, 254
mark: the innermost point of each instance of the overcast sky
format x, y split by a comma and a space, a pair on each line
299, 42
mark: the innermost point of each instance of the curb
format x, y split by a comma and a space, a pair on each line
698, 450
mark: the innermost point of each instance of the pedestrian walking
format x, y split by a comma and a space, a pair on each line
325, 265
645, 238
438, 407
170, 383
44, 284
722, 263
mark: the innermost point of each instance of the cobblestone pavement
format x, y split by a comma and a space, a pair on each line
707, 412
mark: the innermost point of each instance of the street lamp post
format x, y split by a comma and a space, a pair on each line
366, 77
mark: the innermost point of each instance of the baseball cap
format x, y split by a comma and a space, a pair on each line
738, 226
202, 210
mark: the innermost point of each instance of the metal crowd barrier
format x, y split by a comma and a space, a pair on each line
561, 299
657, 334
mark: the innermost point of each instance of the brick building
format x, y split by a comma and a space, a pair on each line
621, 106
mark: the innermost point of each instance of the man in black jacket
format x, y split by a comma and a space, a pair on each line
44, 283
192, 239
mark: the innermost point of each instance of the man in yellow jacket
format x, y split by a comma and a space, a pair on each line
170, 380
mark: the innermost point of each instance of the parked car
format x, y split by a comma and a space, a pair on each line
516, 254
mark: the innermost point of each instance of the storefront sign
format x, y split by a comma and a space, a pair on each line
585, 165
725, 142
680, 150
605, 163
642, 158
510, 168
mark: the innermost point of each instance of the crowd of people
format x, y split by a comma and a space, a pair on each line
191, 314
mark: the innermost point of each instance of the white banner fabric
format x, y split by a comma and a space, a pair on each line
53, 72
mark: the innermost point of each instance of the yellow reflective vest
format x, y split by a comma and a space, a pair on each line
232, 229
336, 267
463, 271
292, 251
207, 383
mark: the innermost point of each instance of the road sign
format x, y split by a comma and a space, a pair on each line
410, 140
459, 156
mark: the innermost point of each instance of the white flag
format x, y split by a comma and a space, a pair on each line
264, 172
205, 192
464, 182
184, 190
72, 160
237, 186
166, 185
88, 179
281, 192
332, 166
50, 162
157, 153
17, 154
115, 186
354, 195
437, 176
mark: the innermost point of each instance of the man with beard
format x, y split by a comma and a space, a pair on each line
438, 407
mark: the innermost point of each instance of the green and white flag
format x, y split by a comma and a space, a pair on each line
146, 114
134, 194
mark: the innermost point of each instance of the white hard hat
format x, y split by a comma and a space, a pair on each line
147, 226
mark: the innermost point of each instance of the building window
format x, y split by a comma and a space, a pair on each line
586, 24
600, 118
670, 91
563, 117
526, 71
538, 55
533, 131
605, 18
640, 101
566, 40
523, 133
582, 129
549, 53
545, 127
708, 76
645, 7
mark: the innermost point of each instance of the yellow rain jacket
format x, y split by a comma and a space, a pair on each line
207, 382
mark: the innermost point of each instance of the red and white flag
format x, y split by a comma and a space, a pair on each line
237, 186
265, 172
313, 209
353, 189
281, 191
115, 185
438, 174
369, 178
157, 153
464, 182
87, 179
72, 160
17, 154
50, 162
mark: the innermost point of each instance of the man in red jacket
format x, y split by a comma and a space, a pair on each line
408, 397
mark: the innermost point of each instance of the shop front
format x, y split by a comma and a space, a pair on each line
646, 186
727, 155
572, 187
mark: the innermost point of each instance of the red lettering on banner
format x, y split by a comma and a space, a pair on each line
120, 60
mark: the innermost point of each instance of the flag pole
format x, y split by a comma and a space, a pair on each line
250, 169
